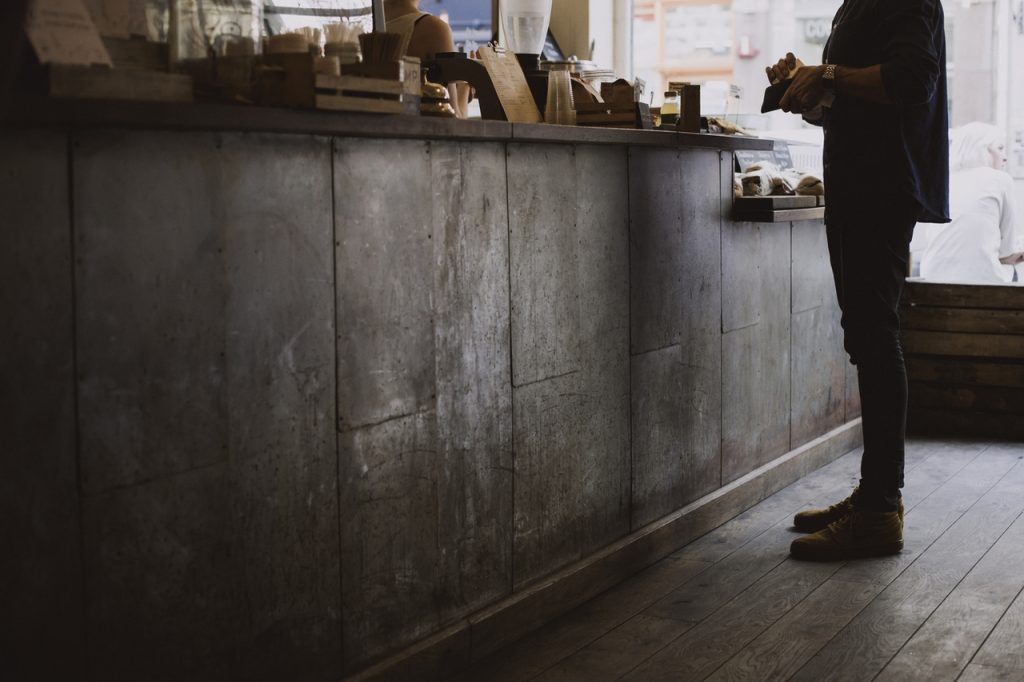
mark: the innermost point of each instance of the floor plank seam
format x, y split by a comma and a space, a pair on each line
705, 618
654, 627
922, 462
805, 499
772, 624
925, 550
981, 645
773, 527
625, 620
896, 577
782, 519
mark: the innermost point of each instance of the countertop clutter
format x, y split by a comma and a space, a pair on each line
210, 52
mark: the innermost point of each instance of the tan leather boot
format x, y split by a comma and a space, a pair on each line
856, 535
813, 520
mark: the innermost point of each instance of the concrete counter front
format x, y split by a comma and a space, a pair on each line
297, 406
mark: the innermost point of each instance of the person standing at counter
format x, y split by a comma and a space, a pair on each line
424, 36
886, 168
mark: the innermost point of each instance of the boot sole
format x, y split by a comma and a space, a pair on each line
804, 553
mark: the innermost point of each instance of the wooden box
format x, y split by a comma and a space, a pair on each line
605, 115
387, 88
356, 93
289, 80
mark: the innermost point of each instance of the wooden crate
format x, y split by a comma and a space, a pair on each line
612, 115
288, 80
357, 93
964, 346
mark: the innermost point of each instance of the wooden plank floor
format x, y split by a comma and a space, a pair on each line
733, 606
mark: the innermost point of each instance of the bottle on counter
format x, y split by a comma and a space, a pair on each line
670, 108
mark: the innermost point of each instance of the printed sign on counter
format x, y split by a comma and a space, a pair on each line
780, 156
62, 32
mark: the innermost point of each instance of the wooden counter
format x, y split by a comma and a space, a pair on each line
293, 394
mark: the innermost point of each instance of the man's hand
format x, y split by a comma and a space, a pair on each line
806, 91
782, 70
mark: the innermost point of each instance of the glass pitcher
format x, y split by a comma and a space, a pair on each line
525, 23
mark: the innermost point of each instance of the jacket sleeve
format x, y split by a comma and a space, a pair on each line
911, 55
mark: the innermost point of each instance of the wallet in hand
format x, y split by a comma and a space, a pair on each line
773, 95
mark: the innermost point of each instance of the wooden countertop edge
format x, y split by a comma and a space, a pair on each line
34, 111
42, 111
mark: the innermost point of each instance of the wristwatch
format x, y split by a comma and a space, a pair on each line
828, 80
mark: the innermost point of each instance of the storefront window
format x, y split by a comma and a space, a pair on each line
470, 20
725, 44
684, 40
282, 16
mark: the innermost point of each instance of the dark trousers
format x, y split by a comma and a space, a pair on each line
869, 247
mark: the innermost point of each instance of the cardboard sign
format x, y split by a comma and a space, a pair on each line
510, 85
62, 32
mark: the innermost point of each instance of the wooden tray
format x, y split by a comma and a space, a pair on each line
774, 203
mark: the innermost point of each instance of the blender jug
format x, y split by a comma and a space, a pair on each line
525, 23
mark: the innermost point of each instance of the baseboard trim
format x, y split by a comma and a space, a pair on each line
444, 654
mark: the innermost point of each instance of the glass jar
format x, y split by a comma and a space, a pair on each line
200, 28
670, 108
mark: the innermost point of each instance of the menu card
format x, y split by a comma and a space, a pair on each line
62, 32
510, 85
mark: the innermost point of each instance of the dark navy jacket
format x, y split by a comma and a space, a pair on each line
894, 149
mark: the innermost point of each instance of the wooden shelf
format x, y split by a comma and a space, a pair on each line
766, 215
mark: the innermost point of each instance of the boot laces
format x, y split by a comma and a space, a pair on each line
848, 523
846, 505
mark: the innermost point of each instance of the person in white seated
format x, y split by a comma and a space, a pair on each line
424, 36
981, 244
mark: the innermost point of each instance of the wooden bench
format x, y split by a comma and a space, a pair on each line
964, 346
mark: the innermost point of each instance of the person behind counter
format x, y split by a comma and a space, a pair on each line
981, 245
424, 36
